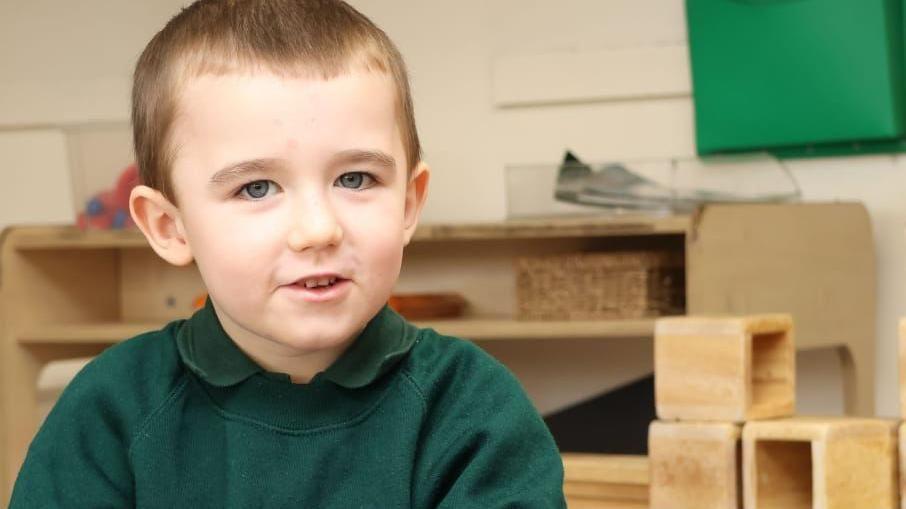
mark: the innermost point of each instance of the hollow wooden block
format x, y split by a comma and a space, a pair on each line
694, 465
810, 463
724, 369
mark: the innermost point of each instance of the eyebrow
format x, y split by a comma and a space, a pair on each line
376, 157
240, 170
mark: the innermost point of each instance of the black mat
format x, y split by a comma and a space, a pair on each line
615, 422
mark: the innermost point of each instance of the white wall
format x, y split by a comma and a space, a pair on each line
66, 66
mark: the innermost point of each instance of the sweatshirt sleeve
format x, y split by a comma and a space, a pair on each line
79, 458
484, 444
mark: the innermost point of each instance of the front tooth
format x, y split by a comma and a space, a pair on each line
311, 283
324, 281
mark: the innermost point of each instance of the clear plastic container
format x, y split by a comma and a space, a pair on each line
651, 187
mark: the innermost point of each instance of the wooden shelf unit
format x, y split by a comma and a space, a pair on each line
67, 294
474, 329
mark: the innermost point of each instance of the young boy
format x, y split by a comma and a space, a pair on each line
278, 149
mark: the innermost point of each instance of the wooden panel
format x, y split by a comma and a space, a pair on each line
592, 75
814, 261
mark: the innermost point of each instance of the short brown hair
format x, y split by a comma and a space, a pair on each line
323, 38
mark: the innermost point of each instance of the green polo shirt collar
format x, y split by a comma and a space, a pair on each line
210, 353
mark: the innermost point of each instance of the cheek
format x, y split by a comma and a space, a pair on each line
227, 253
377, 239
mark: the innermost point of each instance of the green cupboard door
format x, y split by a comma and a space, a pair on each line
782, 73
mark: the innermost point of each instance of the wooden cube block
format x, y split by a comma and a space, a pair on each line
694, 465
724, 369
810, 463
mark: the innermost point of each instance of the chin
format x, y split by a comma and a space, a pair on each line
316, 339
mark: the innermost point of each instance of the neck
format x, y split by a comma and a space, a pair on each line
301, 365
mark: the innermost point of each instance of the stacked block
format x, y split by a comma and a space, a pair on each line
806, 463
725, 369
711, 375
726, 438
694, 465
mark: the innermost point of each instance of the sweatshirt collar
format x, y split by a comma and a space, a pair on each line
207, 350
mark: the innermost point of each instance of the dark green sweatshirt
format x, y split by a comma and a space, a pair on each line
181, 417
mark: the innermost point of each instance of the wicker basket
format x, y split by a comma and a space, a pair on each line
589, 286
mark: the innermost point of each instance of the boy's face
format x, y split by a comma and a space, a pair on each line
288, 182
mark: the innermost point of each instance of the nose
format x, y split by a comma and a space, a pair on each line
314, 226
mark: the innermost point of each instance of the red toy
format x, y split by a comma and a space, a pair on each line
109, 209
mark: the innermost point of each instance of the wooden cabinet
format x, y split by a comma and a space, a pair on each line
65, 293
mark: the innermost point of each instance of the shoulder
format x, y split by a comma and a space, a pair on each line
478, 419
80, 455
128, 381
444, 367
149, 359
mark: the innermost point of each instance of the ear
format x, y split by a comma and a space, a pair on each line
416, 192
161, 223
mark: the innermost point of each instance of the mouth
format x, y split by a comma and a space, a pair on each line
319, 288
318, 282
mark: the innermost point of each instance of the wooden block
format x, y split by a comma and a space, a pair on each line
811, 463
605, 481
694, 465
902, 464
902, 356
724, 369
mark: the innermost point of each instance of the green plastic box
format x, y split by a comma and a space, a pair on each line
793, 75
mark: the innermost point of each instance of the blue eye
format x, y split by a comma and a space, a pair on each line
256, 190
355, 180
